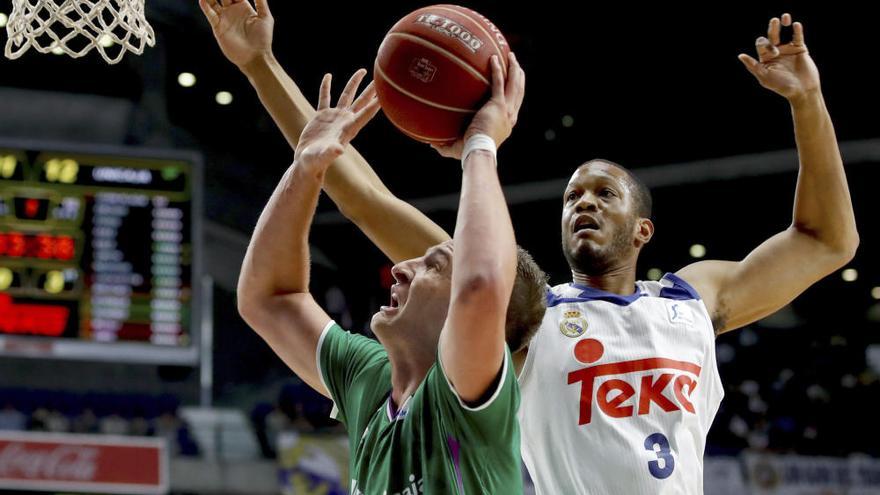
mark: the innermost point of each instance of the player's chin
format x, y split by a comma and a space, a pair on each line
579, 247
384, 318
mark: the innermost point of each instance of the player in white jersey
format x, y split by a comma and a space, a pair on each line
620, 383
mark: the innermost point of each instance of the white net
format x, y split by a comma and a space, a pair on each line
75, 27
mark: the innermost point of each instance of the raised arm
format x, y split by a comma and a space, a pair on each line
244, 33
273, 288
822, 236
484, 263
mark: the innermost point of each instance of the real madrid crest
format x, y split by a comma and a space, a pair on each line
573, 323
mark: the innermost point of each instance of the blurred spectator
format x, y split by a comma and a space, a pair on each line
85, 422
114, 424
57, 422
12, 419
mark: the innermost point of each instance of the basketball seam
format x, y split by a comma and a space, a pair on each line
479, 24
419, 98
455, 58
425, 138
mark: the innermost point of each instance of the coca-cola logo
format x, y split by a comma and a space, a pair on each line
62, 462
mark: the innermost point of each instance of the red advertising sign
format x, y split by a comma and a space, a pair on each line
83, 463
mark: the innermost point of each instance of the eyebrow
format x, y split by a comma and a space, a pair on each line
436, 251
614, 180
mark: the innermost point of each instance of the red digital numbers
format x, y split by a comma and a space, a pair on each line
40, 246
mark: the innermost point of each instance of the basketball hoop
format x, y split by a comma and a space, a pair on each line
75, 27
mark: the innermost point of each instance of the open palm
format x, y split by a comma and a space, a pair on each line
786, 69
242, 31
331, 129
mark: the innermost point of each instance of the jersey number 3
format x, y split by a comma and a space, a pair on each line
664, 465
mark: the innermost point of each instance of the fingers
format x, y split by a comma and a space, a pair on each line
773, 31
497, 78
786, 19
797, 37
324, 93
209, 8
752, 65
366, 114
516, 86
347, 96
766, 50
366, 96
263, 8
448, 150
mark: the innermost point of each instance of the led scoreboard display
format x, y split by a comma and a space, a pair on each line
97, 253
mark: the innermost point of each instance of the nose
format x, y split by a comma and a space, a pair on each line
401, 273
586, 203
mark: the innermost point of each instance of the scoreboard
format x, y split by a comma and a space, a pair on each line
98, 250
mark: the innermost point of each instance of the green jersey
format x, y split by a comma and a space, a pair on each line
433, 443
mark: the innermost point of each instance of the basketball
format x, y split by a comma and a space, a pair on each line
433, 71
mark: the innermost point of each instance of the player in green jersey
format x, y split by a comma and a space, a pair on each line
431, 407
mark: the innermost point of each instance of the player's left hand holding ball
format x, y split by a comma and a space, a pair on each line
786, 69
498, 116
325, 136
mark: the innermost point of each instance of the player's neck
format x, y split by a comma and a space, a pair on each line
621, 280
408, 370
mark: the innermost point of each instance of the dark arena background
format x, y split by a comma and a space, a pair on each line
128, 193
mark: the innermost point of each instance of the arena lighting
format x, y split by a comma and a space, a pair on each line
106, 41
550, 135
3, 20
850, 275
875, 293
698, 251
223, 98
567, 121
655, 274
57, 51
186, 79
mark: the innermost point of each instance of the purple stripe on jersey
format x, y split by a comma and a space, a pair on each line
592, 294
680, 289
455, 449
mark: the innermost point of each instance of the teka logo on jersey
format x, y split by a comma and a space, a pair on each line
452, 29
613, 395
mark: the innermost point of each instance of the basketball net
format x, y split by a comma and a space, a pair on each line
75, 27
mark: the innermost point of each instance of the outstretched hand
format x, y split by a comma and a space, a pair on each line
325, 136
786, 69
243, 32
499, 114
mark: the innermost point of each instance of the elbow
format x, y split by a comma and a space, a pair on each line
485, 289
844, 246
848, 247
249, 309
252, 305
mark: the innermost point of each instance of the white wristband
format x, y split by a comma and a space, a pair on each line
479, 142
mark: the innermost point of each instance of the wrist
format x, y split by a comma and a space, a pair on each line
304, 170
259, 65
806, 99
479, 143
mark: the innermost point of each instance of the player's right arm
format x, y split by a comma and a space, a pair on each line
244, 34
472, 343
273, 288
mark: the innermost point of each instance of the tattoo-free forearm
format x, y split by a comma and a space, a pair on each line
823, 208
398, 229
485, 247
277, 258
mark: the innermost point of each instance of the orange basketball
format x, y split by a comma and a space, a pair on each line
433, 71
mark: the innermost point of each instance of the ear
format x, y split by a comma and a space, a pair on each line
644, 231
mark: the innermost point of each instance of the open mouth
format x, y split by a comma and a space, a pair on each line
395, 302
585, 224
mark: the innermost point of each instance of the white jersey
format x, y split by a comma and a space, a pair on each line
618, 392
